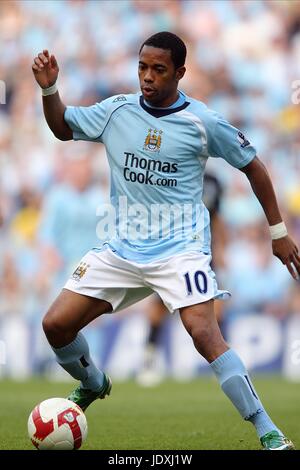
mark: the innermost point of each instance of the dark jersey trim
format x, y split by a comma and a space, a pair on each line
162, 112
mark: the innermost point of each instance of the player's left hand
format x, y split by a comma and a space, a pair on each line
287, 251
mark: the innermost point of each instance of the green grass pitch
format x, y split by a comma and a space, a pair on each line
173, 415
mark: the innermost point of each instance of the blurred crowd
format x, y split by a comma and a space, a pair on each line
243, 58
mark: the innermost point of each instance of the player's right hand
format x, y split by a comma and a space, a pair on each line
287, 251
45, 69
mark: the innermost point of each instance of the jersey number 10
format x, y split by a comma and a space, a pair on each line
200, 281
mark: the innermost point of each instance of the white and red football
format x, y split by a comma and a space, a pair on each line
57, 424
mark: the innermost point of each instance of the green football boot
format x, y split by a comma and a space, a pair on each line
274, 441
83, 397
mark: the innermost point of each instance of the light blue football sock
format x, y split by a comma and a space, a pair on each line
75, 359
236, 384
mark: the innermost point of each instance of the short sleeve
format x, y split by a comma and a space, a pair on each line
229, 143
87, 123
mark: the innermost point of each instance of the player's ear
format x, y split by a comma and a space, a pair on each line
180, 73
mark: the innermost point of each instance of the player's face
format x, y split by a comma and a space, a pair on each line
158, 77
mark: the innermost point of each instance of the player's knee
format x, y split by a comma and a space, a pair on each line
202, 337
199, 331
53, 328
201, 334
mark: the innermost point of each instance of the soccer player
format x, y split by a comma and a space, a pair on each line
157, 144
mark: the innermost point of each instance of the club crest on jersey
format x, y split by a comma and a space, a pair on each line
153, 140
80, 271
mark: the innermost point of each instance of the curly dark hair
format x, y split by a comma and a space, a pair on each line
171, 42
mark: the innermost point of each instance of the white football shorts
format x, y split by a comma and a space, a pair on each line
180, 280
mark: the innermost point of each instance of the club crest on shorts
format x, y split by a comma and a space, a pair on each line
80, 271
153, 140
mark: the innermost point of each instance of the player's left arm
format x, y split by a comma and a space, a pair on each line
284, 248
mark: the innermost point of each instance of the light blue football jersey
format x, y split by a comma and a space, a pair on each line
157, 158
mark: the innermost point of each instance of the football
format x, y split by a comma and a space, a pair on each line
57, 424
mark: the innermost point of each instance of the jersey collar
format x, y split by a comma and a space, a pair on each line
158, 112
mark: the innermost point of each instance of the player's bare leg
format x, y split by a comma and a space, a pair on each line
62, 324
200, 322
68, 314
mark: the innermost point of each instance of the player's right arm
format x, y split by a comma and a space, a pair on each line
229, 143
45, 70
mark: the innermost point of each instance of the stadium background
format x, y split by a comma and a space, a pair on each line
243, 58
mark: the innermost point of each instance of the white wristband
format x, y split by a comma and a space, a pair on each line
50, 90
278, 231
